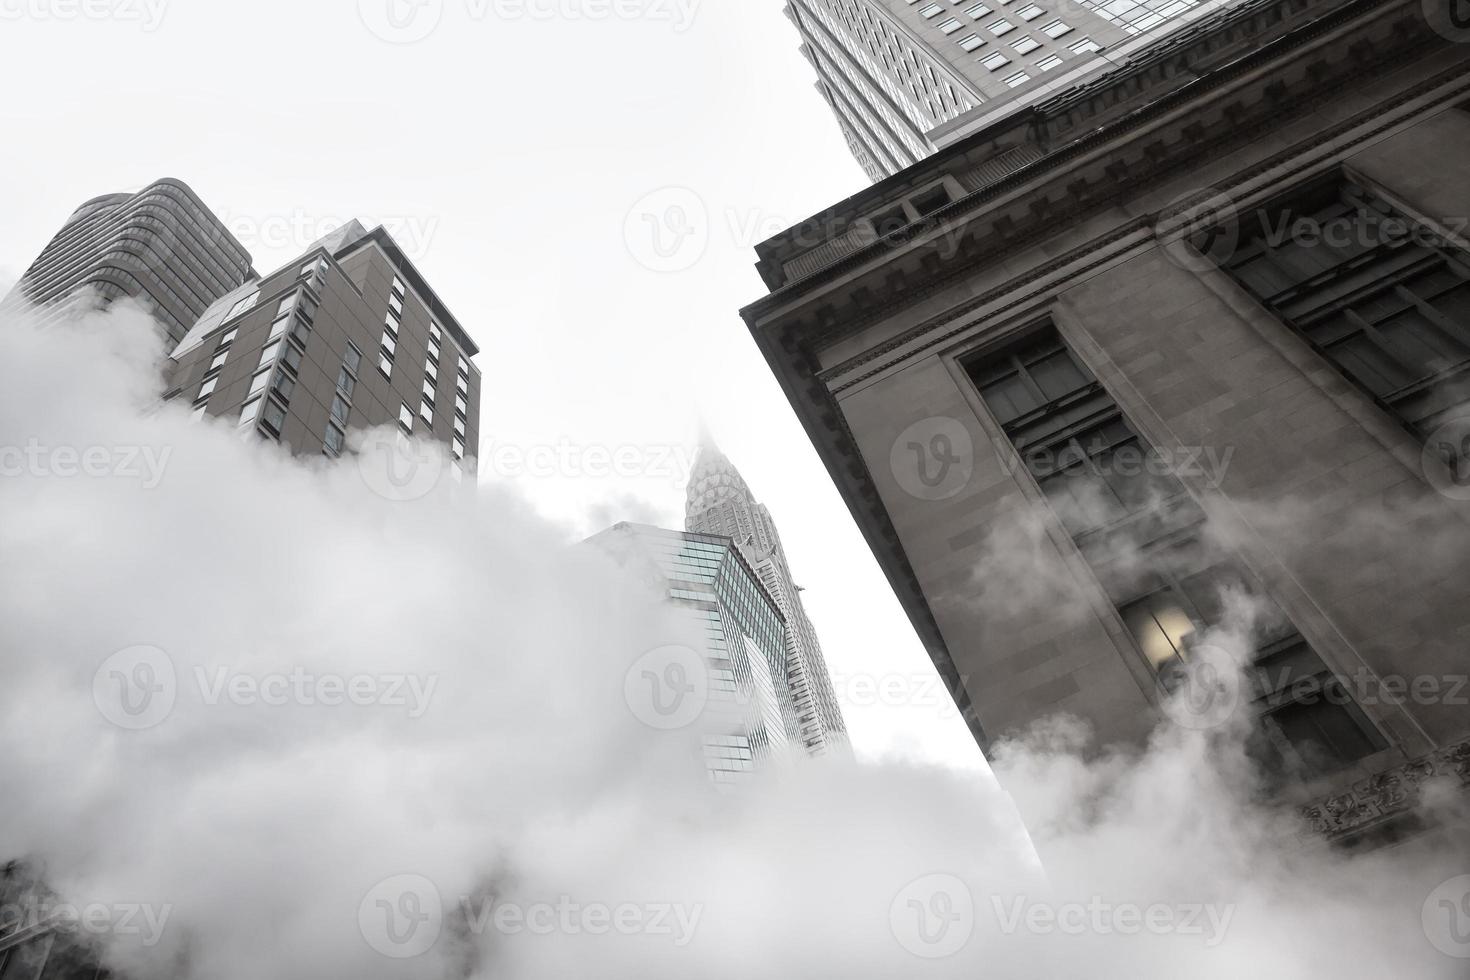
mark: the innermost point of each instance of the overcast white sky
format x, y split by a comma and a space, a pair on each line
525, 153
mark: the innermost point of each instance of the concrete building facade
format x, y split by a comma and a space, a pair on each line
348, 336
160, 245
1192, 378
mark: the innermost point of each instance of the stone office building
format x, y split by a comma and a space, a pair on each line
1172, 362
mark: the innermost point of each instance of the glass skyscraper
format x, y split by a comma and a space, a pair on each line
720, 502
752, 715
900, 75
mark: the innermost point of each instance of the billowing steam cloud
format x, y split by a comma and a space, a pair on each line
260, 720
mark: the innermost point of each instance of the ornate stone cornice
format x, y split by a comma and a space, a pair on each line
1100, 250
1012, 229
1373, 803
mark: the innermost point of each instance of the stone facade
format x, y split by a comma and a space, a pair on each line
1097, 215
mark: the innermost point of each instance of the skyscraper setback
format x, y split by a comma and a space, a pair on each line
904, 76
160, 245
720, 502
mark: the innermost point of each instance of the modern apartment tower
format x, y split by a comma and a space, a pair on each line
751, 718
347, 336
720, 502
160, 245
1196, 378
901, 75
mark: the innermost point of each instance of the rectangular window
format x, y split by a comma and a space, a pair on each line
258, 383
1083, 46
273, 417
390, 346
335, 440
249, 413
429, 392
461, 404
1135, 524
353, 358
995, 60
1379, 296
426, 412
434, 332
1025, 45
950, 26
1056, 29
1019, 78
1049, 62
385, 365
269, 352
278, 327
1030, 12
228, 336
395, 303
340, 409
206, 389
405, 418
287, 304
1002, 27
247, 303
346, 382
972, 42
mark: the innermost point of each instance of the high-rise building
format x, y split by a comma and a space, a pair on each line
751, 716
720, 502
160, 245
1195, 380
348, 335
902, 76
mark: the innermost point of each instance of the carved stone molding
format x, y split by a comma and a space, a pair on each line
1394, 792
